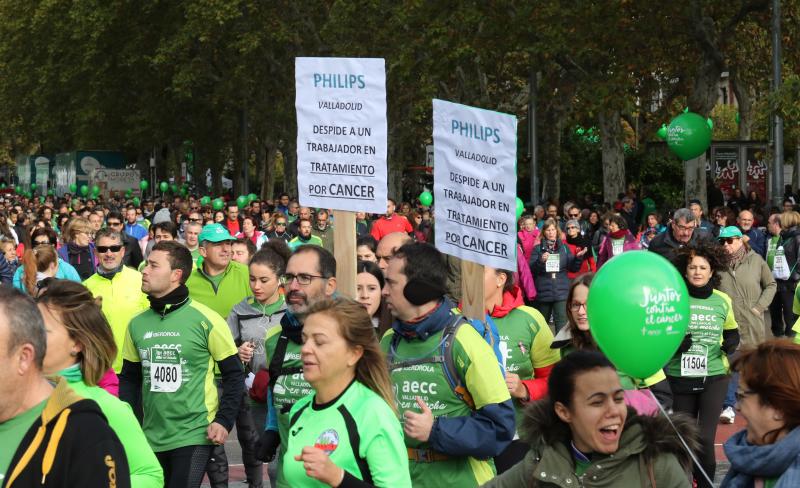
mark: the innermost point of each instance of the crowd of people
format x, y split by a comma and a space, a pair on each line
135, 338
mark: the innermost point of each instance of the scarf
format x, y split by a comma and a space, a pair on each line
109, 275
738, 256
702, 292
779, 460
171, 301
423, 327
618, 234
72, 373
578, 241
292, 327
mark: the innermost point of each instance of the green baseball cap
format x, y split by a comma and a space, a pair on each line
215, 233
730, 231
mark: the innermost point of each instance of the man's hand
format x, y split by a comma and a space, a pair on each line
217, 433
418, 425
246, 352
318, 465
515, 386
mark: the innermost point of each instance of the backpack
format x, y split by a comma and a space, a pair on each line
276, 367
445, 353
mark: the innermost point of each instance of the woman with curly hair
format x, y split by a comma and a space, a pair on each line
698, 373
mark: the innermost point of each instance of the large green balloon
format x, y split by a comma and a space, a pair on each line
73, 188
241, 201
164, 186
205, 201
144, 185
251, 198
84, 190
638, 311
520, 207
426, 198
688, 135
218, 204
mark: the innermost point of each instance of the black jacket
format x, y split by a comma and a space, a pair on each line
133, 252
85, 453
790, 240
665, 245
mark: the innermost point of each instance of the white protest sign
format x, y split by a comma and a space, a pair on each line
341, 133
475, 184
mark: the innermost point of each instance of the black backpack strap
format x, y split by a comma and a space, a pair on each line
355, 441
276, 362
451, 373
413, 362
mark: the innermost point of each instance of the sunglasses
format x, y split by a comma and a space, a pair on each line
39, 242
728, 240
575, 215
105, 249
195, 220
280, 223
114, 224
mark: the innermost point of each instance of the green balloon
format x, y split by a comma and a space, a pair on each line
688, 135
205, 201
73, 188
128, 193
95, 190
662, 132
50, 192
520, 207
173, 188
84, 190
638, 319
184, 191
163, 186
136, 201
144, 185
17, 189
241, 201
426, 198
2, 186
218, 204
33, 186
251, 198
41, 199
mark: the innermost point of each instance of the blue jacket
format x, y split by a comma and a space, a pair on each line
758, 241
6, 271
135, 230
65, 272
553, 287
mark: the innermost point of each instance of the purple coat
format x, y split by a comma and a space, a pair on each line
606, 251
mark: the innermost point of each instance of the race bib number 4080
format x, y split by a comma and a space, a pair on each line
165, 370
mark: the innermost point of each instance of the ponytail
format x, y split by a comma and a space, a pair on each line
36, 260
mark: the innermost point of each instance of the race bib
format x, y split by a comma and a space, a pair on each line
616, 246
694, 362
553, 263
780, 268
165, 370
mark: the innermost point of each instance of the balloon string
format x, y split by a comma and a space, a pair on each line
683, 441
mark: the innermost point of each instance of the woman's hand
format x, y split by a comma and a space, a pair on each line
246, 352
319, 466
582, 252
545, 256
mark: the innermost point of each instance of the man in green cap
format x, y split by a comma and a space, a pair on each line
219, 282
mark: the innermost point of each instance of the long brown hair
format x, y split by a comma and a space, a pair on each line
581, 339
772, 370
37, 259
75, 307
355, 325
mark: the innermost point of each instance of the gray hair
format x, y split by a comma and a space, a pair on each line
25, 324
683, 214
111, 234
192, 224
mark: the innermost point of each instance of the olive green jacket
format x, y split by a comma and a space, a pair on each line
751, 286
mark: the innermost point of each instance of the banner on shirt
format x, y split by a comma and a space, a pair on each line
475, 183
341, 133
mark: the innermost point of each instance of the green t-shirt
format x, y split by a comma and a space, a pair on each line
772, 246
11, 432
178, 353
332, 426
216, 279
708, 317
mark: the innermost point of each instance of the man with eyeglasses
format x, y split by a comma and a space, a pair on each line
310, 277
324, 230
133, 251
683, 231
119, 286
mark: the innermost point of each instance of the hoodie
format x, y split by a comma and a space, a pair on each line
646, 443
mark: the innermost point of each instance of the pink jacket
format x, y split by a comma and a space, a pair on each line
109, 382
523, 276
528, 241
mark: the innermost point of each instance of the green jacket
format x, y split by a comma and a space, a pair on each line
234, 287
750, 285
646, 441
122, 300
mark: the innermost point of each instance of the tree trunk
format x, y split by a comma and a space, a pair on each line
261, 163
290, 168
745, 99
694, 186
613, 155
268, 186
550, 162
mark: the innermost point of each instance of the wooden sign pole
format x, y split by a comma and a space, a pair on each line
344, 244
472, 299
